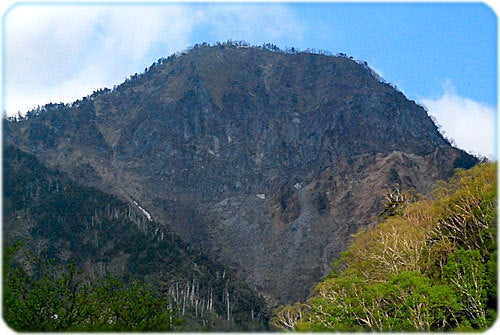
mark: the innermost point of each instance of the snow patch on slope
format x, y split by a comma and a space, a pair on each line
145, 212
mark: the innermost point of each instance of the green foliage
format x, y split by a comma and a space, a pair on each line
287, 317
61, 300
407, 301
116, 306
470, 277
58, 221
430, 265
419, 304
394, 245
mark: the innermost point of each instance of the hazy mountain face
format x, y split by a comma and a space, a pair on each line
268, 161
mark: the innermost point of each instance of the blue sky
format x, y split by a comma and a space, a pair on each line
441, 55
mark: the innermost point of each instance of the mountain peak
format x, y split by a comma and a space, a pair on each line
266, 159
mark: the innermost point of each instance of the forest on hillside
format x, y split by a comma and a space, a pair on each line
78, 259
222, 181
265, 161
428, 265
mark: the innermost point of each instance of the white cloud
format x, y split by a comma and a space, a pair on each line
60, 53
253, 23
470, 124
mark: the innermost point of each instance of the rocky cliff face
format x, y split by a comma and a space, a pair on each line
268, 161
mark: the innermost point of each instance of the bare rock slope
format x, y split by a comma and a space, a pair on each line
267, 160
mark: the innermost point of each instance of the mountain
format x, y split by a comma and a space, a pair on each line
266, 160
59, 221
428, 265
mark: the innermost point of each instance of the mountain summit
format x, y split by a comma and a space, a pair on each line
266, 160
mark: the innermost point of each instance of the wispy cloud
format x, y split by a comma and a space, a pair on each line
59, 53
470, 124
256, 23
